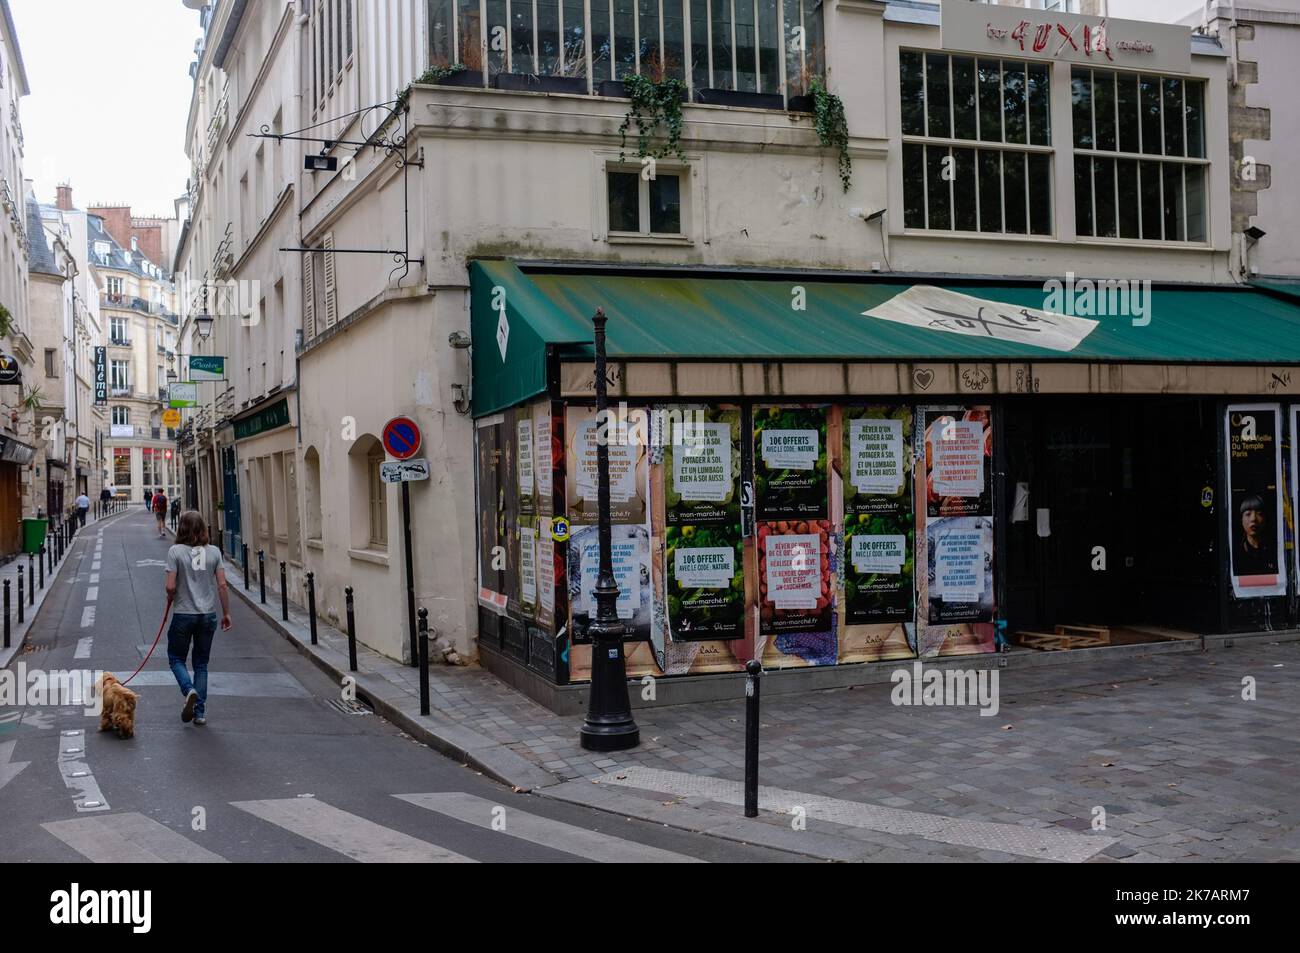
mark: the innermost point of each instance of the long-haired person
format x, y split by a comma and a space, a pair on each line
196, 581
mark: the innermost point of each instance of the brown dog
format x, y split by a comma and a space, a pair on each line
118, 710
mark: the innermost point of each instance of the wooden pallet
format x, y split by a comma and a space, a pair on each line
1086, 631
1058, 641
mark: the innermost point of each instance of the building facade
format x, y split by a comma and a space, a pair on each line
891, 338
137, 302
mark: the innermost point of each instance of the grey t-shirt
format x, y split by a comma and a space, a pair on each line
196, 578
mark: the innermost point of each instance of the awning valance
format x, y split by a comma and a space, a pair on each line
680, 316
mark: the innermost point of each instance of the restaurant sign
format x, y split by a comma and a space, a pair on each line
1046, 35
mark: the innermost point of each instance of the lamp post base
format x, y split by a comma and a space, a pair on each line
609, 736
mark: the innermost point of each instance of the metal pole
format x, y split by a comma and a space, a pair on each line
40, 564
7, 613
424, 660
352, 631
31, 580
20, 595
609, 725
410, 572
284, 594
261, 573
754, 670
248, 580
311, 604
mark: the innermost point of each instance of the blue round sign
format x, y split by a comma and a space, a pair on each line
402, 438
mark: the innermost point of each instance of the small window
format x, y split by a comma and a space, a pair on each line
642, 206
378, 500
121, 416
51, 370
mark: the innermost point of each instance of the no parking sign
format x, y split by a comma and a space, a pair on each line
402, 437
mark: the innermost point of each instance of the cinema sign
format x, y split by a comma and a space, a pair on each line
1044, 35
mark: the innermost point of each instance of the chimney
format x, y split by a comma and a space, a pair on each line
64, 200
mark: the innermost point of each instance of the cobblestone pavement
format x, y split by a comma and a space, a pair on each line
1183, 767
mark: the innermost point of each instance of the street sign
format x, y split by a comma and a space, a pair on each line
11, 371
404, 471
560, 529
205, 367
101, 376
402, 438
171, 418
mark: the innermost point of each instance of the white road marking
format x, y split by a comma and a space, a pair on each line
129, 839
87, 616
1059, 845
92, 593
94, 577
83, 648
77, 778
95, 565
603, 848
350, 835
9, 769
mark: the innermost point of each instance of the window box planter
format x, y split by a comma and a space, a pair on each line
802, 104
531, 83
732, 97
615, 89
467, 77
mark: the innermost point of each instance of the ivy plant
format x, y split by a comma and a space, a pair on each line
832, 128
653, 105
6, 322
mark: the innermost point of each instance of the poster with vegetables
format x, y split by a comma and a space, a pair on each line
702, 467
879, 526
706, 582
628, 467
795, 576
790, 462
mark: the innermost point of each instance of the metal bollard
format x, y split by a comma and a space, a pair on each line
352, 631
20, 594
424, 661
40, 562
248, 580
284, 594
261, 573
754, 670
6, 613
31, 579
311, 604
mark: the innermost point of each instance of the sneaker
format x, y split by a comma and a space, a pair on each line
187, 713
200, 720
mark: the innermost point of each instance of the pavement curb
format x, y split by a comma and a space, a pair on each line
442, 735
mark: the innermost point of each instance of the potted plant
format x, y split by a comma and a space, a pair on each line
737, 97
570, 75
655, 103
467, 72
801, 99
656, 68
832, 128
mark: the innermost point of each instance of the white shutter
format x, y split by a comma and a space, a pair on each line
309, 295
331, 289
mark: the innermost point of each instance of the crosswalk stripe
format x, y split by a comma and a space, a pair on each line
350, 835
603, 848
83, 648
129, 838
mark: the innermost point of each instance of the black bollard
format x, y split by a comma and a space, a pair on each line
284, 594
20, 594
248, 580
311, 604
6, 613
31, 579
424, 661
754, 670
40, 562
352, 631
261, 573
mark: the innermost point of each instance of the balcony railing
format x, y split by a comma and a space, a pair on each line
764, 58
119, 342
125, 302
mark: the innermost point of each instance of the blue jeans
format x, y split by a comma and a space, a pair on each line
201, 628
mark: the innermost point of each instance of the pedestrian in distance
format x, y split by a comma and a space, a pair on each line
160, 512
83, 507
196, 583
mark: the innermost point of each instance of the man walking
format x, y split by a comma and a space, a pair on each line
160, 512
83, 507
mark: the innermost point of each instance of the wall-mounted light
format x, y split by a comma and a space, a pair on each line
321, 164
459, 340
1254, 233
203, 324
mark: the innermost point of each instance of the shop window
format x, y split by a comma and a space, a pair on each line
1120, 120
121, 467
994, 105
643, 206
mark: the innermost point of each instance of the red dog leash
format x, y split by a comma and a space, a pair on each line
166, 612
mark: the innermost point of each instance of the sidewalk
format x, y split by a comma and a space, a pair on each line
1162, 748
18, 630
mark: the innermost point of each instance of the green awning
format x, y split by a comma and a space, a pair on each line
681, 316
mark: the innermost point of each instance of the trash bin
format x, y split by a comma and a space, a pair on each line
34, 534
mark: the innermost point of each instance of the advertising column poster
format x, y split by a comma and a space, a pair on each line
1254, 474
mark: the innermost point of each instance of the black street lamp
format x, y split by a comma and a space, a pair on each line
609, 725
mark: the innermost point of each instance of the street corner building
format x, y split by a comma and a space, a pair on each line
993, 358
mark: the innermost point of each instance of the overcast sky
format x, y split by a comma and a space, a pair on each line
110, 94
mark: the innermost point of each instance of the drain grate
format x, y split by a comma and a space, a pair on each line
349, 708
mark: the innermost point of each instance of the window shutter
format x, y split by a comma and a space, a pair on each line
331, 289
309, 295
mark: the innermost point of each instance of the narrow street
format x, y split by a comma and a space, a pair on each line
279, 773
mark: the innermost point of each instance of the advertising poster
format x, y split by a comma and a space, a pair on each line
528, 568
492, 541
795, 576
958, 462
525, 468
879, 526
628, 468
1255, 500
507, 484
630, 550
1295, 484
790, 462
704, 552
545, 609
960, 569
543, 458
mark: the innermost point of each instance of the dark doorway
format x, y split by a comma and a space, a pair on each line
1124, 483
